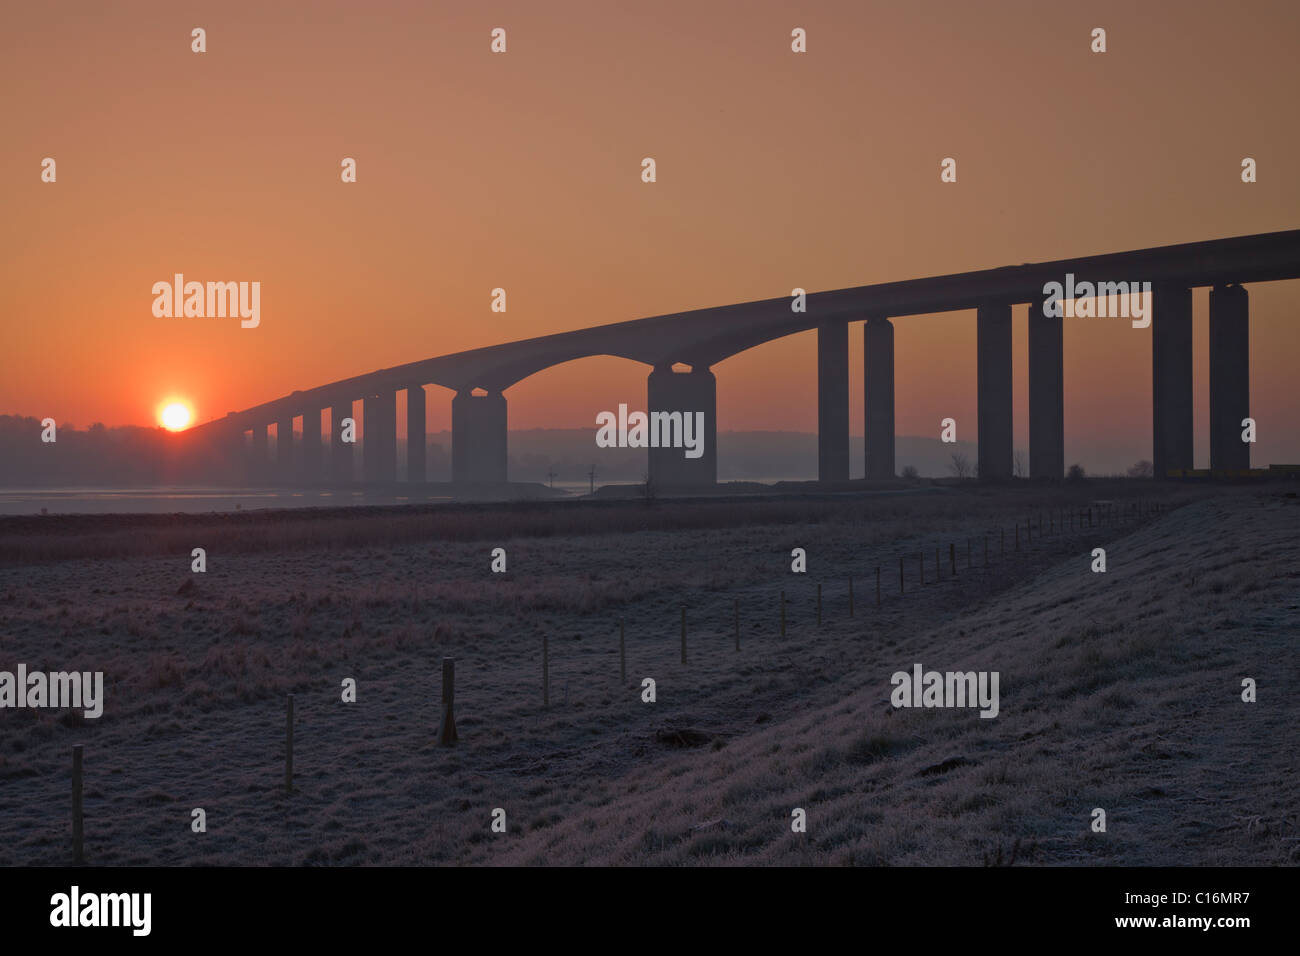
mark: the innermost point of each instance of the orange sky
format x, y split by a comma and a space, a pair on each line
522, 170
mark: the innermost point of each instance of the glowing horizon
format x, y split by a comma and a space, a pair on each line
522, 171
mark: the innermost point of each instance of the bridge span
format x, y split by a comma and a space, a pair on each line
701, 338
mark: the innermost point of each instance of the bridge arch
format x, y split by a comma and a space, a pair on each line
704, 337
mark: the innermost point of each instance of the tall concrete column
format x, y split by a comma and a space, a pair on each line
993, 384
284, 466
1229, 376
415, 438
388, 463
1171, 378
1046, 395
232, 456
259, 460
878, 396
340, 451
833, 401
682, 401
478, 437
370, 438
310, 471
379, 458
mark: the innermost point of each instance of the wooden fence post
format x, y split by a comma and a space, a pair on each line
78, 819
447, 729
288, 745
683, 633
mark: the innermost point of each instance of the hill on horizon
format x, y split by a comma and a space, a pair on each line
134, 455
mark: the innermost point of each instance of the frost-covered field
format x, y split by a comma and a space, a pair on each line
1118, 690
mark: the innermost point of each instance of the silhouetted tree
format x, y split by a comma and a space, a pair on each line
910, 472
1142, 469
960, 465
1076, 472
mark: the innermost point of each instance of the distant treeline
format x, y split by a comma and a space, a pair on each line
129, 456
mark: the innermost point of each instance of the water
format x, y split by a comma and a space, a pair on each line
24, 501
173, 500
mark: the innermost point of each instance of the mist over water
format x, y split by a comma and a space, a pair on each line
170, 500
176, 500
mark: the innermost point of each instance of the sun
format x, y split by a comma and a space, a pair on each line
175, 416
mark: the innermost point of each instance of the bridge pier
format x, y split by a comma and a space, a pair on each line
1229, 376
1046, 395
284, 467
370, 419
478, 437
1171, 378
380, 456
415, 437
310, 462
833, 401
686, 393
259, 461
340, 451
231, 456
993, 385
878, 396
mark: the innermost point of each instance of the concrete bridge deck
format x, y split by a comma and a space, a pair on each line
702, 338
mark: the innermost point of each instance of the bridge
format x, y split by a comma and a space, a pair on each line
681, 348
